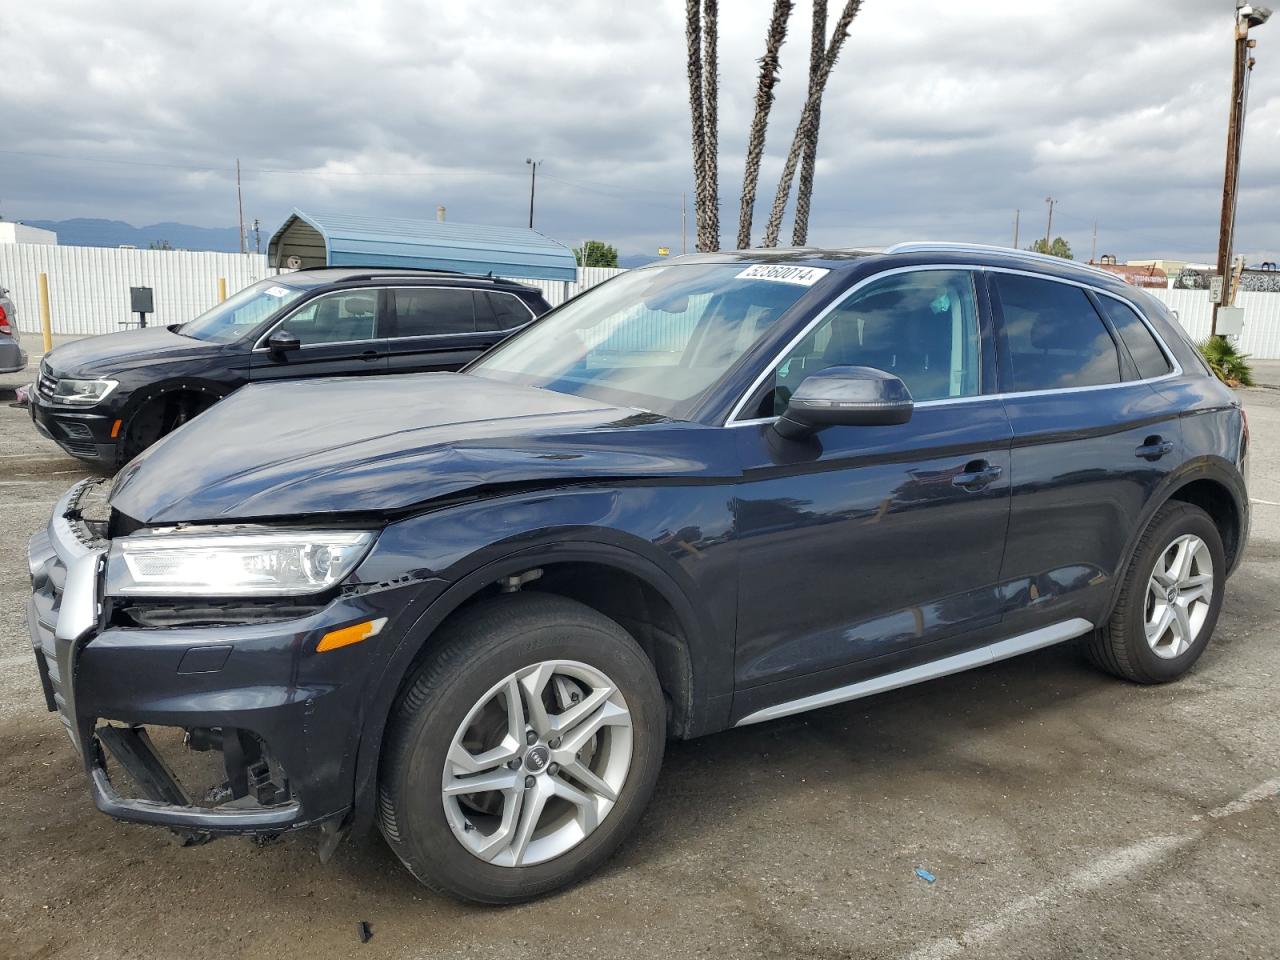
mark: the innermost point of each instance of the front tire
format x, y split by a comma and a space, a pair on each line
1170, 599
522, 750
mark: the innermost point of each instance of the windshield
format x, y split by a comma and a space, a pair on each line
655, 338
238, 315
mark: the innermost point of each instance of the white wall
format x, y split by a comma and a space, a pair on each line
1261, 334
89, 290
89, 286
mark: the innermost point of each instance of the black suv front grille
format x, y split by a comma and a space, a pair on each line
45, 384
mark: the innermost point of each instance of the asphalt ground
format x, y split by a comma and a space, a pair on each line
1062, 813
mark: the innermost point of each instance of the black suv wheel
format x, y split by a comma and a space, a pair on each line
522, 751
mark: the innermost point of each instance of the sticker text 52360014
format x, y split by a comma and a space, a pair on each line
784, 273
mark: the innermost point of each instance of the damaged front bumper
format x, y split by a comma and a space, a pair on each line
283, 720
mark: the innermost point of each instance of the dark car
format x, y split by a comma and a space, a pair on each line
12, 357
105, 399
704, 494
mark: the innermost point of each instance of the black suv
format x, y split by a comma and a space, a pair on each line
105, 399
704, 494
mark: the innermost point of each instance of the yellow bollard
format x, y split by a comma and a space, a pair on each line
222, 289
46, 325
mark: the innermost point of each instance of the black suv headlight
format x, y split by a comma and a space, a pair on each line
233, 563
83, 392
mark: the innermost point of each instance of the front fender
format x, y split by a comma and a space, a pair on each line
674, 538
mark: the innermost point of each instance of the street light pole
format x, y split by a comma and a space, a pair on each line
1247, 15
533, 183
1048, 230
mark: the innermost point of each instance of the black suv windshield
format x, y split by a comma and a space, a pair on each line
654, 338
238, 315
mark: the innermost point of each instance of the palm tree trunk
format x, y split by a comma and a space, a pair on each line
693, 38
817, 52
806, 129
710, 240
759, 123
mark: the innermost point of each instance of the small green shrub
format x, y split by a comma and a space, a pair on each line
1231, 366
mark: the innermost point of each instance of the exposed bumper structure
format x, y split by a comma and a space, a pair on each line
285, 719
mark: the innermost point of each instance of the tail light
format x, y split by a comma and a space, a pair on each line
4, 322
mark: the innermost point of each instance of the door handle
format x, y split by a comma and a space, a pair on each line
1153, 448
977, 474
370, 355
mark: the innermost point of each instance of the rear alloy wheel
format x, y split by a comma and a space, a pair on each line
1179, 595
1169, 600
522, 750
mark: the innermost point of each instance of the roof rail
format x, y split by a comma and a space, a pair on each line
932, 246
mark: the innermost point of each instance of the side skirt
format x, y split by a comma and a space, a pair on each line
981, 657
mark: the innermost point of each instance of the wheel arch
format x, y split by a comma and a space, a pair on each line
647, 600
1214, 486
147, 396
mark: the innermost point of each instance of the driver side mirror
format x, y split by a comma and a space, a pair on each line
845, 396
282, 342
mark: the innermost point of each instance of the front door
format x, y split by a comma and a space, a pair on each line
868, 549
340, 336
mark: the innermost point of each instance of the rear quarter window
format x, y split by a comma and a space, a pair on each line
1141, 343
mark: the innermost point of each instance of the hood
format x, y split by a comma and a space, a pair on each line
106, 354
384, 444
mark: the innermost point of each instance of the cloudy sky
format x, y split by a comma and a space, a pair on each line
941, 119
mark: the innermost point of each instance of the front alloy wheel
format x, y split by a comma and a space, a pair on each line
537, 763
522, 750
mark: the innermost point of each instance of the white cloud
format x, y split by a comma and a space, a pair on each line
940, 119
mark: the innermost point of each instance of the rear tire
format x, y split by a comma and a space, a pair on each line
1169, 601
582, 752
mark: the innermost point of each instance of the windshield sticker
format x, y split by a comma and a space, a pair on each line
784, 273
276, 291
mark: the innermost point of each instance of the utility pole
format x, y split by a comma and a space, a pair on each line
684, 227
257, 236
240, 205
1242, 66
1093, 250
533, 184
1017, 216
1048, 230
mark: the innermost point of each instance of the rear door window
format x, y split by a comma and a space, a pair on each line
1146, 353
431, 311
1053, 338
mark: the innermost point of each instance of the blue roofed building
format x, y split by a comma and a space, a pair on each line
339, 240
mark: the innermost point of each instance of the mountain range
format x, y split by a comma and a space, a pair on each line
91, 232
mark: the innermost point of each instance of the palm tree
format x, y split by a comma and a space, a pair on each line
817, 51
769, 64
807, 128
701, 40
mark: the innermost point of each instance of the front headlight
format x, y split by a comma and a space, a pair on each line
87, 392
233, 564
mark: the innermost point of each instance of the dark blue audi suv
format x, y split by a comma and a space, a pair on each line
471, 608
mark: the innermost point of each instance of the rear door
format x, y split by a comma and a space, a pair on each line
438, 328
340, 336
1092, 439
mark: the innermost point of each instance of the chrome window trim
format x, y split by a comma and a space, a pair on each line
1175, 371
